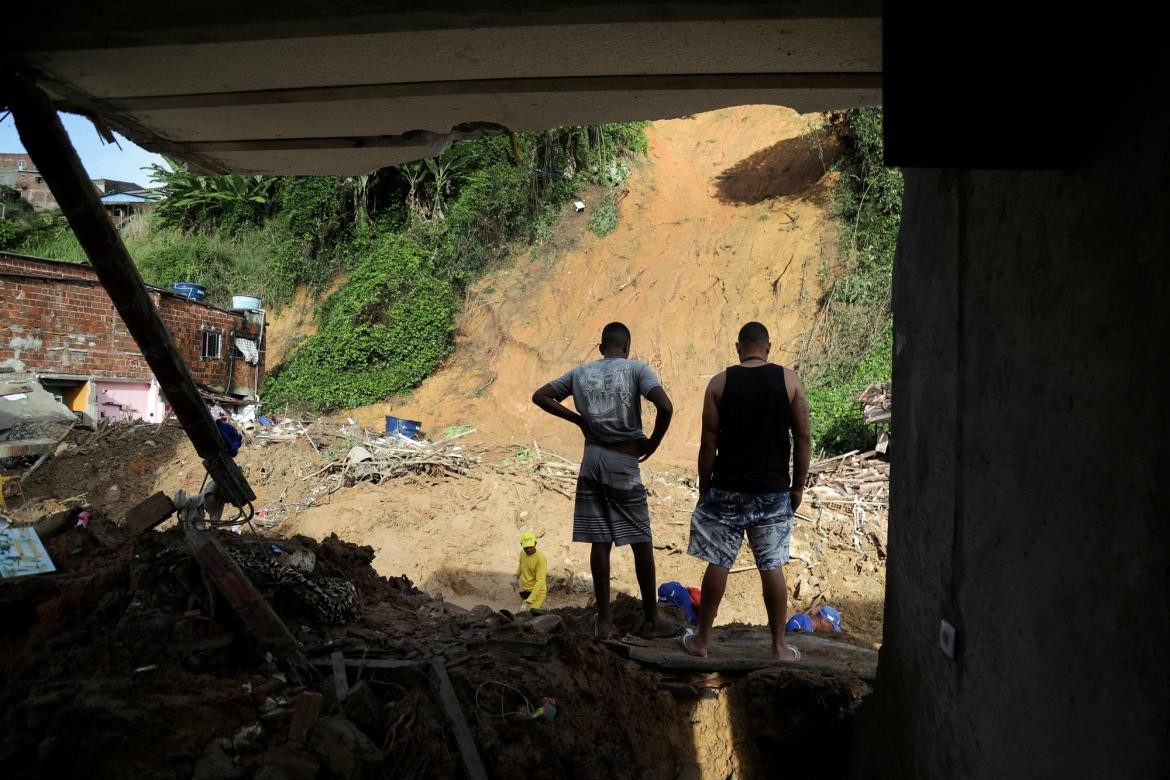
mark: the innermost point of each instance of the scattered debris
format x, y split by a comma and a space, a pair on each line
22, 553
876, 402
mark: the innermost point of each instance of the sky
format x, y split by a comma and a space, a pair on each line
101, 160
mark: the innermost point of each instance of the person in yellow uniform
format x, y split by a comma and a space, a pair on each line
530, 573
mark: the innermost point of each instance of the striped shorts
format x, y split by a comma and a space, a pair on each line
611, 500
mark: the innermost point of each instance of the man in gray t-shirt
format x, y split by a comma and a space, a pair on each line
608, 394
610, 506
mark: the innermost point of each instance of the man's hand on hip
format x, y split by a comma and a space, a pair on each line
646, 448
796, 496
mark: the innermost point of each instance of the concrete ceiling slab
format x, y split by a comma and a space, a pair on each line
299, 88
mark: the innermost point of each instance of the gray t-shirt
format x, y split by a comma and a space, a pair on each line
607, 393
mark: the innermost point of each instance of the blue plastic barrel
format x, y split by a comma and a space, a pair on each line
189, 290
396, 426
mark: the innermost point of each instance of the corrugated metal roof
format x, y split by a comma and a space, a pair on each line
122, 197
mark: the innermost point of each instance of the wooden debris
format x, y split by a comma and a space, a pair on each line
148, 513
847, 498
340, 676
463, 739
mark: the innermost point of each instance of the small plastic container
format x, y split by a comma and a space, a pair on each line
408, 429
245, 302
189, 290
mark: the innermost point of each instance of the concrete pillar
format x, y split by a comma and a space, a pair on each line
1031, 466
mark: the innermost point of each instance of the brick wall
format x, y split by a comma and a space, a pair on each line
55, 317
29, 182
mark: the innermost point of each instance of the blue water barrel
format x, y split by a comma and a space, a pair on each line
189, 290
396, 426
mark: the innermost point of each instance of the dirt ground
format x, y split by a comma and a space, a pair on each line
455, 537
124, 665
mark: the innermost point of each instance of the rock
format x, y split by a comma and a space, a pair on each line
545, 624
363, 707
247, 737
285, 762
343, 747
581, 582
358, 455
481, 612
215, 764
62, 448
113, 493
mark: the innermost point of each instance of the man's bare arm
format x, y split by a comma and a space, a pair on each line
546, 398
801, 436
664, 412
708, 444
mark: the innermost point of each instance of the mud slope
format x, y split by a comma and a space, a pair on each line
724, 223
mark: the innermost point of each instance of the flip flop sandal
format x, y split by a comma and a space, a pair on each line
597, 632
795, 654
682, 640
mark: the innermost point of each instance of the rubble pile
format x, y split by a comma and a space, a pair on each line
370, 457
846, 506
127, 662
876, 402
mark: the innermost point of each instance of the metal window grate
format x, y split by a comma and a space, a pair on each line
212, 344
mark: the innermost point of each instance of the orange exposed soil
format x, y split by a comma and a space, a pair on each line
294, 322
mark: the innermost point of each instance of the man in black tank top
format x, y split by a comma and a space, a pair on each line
749, 412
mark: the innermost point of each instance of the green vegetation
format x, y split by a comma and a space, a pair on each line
603, 219
852, 345
381, 334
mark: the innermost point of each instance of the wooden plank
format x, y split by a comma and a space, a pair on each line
148, 513
306, 710
368, 663
241, 594
463, 739
340, 677
748, 653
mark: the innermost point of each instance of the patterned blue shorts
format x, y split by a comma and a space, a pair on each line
720, 520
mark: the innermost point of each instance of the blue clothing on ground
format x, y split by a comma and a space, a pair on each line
230, 435
675, 594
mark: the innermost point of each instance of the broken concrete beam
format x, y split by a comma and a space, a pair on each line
545, 624
148, 513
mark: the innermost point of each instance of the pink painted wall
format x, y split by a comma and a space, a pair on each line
133, 400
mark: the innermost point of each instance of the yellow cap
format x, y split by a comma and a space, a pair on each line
527, 539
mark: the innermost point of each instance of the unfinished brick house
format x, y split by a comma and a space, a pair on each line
59, 324
18, 171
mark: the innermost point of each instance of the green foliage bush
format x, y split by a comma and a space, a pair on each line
382, 333
42, 236
855, 347
603, 218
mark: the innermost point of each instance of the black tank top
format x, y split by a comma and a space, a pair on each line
755, 418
